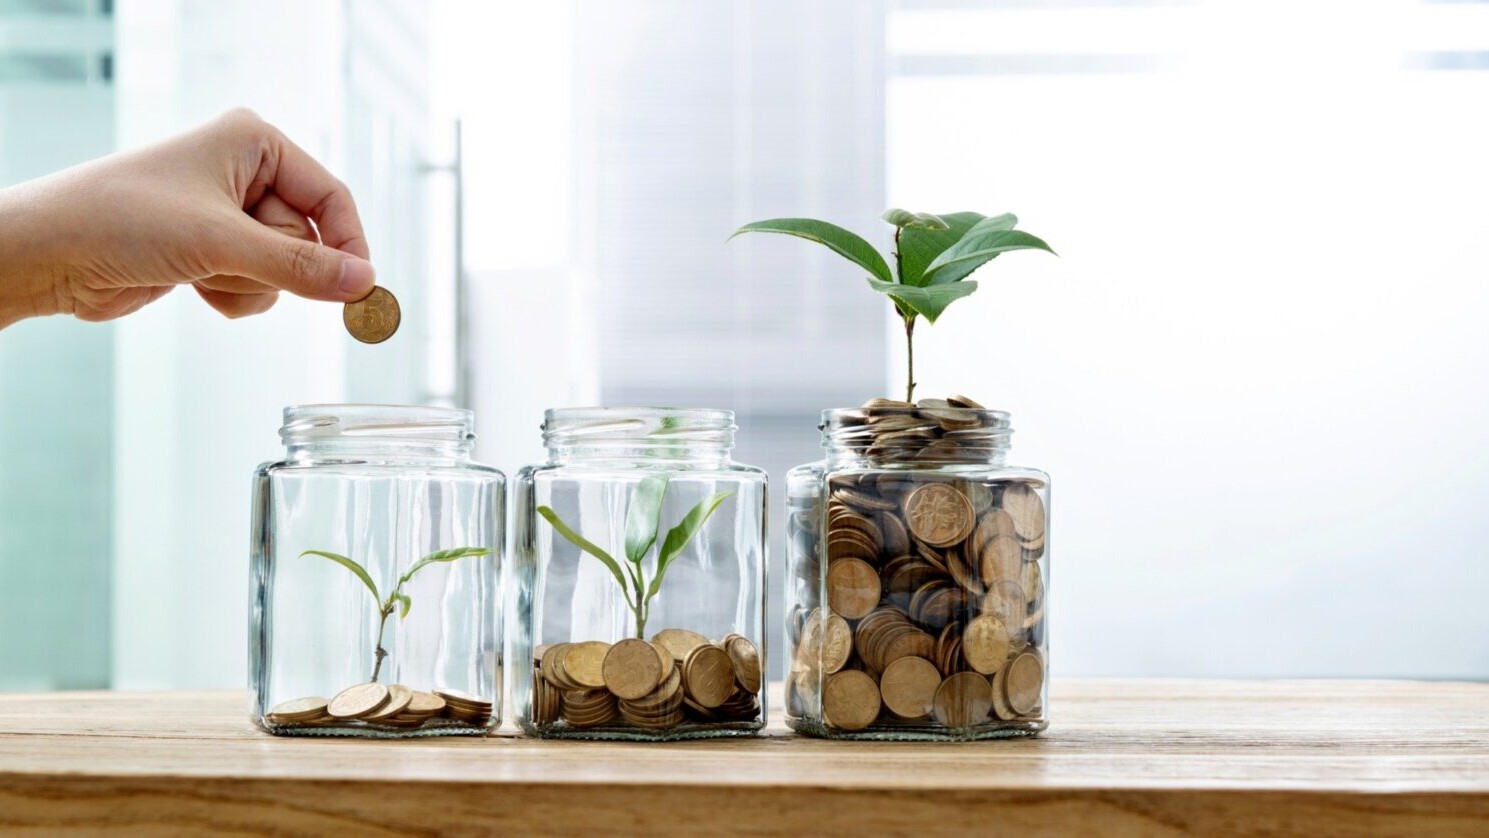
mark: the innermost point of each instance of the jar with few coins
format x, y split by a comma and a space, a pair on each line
639, 553
917, 578
375, 576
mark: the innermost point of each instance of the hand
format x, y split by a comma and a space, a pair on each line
226, 207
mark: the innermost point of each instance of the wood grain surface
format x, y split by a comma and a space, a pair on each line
1154, 757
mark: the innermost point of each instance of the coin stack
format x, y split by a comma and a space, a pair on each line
955, 429
386, 706
934, 593
678, 677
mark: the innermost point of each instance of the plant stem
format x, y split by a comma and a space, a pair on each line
908, 317
910, 364
380, 653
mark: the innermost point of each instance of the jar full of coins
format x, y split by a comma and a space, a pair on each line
917, 578
640, 550
375, 576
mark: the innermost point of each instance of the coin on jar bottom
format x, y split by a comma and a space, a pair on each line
964, 699
1025, 683
909, 687
850, 700
632, 668
374, 318
357, 701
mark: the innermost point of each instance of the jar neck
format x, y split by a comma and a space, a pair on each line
377, 433
915, 437
617, 436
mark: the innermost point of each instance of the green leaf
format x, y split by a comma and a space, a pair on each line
928, 302
905, 218
441, 556
644, 517
678, 537
975, 250
843, 242
347, 563
579, 541
406, 604
918, 248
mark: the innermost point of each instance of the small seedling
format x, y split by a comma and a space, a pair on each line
396, 598
643, 520
933, 255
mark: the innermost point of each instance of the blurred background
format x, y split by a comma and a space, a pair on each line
1259, 372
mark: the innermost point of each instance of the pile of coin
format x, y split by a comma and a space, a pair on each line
954, 429
920, 597
678, 677
382, 706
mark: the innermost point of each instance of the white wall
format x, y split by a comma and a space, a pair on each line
1259, 372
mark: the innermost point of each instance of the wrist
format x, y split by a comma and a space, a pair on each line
31, 279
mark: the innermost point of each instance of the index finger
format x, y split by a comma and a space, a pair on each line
305, 185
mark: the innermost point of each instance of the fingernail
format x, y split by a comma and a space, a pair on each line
356, 276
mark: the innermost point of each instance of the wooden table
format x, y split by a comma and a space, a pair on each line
1151, 757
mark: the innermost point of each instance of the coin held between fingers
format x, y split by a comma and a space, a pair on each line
374, 318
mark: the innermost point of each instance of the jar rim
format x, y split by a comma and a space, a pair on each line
660, 431
697, 417
422, 423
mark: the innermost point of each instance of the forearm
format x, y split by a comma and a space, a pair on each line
30, 273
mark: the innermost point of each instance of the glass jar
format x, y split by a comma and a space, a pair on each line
375, 576
917, 578
640, 550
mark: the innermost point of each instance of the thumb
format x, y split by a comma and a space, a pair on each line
300, 267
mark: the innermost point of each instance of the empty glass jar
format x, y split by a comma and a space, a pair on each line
640, 550
375, 576
917, 578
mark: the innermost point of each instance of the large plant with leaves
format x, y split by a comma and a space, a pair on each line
643, 522
396, 598
933, 256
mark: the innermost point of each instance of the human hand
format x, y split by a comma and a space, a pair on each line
226, 207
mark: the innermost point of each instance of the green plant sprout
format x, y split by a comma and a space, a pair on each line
932, 256
396, 598
643, 520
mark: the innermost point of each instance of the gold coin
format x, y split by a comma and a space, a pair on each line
424, 704
746, 663
1026, 509
1001, 557
679, 642
399, 697
584, 663
939, 515
963, 699
298, 709
963, 401
837, 643
1000, 696
374, 318
896, 537
708, 676
1006, 601
668, 694
632, 668
354, 702
909, 687
850, 700
462, 699
1025, 684
1032, 581
549, 665
985, 644
852, 588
